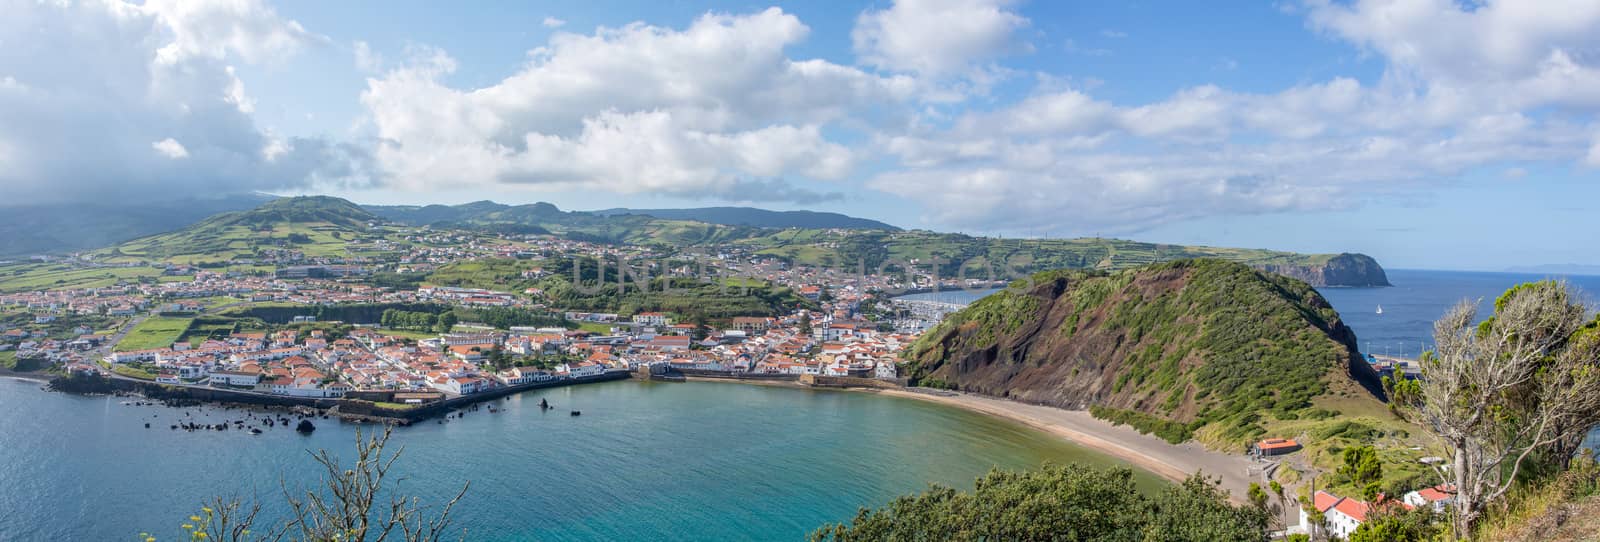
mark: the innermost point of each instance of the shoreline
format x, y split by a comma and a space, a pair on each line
1174, 462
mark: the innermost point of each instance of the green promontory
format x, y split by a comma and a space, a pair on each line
1170, 348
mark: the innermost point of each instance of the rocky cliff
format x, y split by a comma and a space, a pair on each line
1172, 347
1340, 270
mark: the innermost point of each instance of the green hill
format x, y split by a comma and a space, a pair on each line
1179, 348
986, 257
628, 229
313, 225
760, 218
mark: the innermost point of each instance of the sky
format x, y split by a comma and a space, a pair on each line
1430, 134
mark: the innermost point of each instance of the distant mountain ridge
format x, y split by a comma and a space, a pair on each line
322, 226
62, 228
1557, 269
760, 218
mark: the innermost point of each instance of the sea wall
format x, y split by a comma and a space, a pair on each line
350, 408
730, 375
819, 381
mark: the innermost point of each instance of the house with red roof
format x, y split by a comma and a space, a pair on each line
1438, 497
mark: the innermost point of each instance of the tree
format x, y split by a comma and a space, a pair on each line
447, 321
1066, 503
347, 509
1519, 388
1395, 524
1365, 470
1258, 497
805, 323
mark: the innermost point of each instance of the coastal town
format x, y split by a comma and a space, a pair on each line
840, 332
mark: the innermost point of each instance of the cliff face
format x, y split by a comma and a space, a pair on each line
1342, 270
1188, 343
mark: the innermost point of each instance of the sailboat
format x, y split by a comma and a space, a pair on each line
1380, 309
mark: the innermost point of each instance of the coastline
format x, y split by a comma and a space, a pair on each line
30, 376
1174, 462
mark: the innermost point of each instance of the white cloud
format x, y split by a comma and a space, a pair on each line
367, 60
246, 29
937, 38
144, 78
552, 22
170, 148
1480, 85
1499, 54
631, 109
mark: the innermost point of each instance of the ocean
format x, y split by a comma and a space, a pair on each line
645, 461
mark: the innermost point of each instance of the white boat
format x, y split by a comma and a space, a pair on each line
1380, 309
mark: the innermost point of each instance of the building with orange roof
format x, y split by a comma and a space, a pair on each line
1276, 446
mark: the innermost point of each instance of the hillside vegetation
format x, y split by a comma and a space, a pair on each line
1179, 348
315, 225
686, 297
761, 218
990, 258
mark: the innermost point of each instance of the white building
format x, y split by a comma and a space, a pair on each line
652, 319
1439, 497
236, 378
1343, 514
885, 370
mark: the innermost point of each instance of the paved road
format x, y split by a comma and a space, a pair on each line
105, 348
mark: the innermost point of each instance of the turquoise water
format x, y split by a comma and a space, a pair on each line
645, 461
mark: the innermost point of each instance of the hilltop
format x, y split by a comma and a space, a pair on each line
760, 218
987, 257
629, 229
315, 225
1186, 348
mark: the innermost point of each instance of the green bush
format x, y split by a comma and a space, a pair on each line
1063, 503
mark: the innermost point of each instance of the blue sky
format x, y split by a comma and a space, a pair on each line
1428, 133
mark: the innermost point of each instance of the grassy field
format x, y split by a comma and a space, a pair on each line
133, 372
200, 332
155, 332
54, 276
8, 359
595, 327
414, 335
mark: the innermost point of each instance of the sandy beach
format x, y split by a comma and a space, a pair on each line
1174, 462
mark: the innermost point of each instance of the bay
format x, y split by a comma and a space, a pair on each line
645, 461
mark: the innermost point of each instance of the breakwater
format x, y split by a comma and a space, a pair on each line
350, 409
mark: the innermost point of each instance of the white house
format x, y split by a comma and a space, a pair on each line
652, 319
1343, 515
1439, 497
885, 370
236, 378
582, 369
